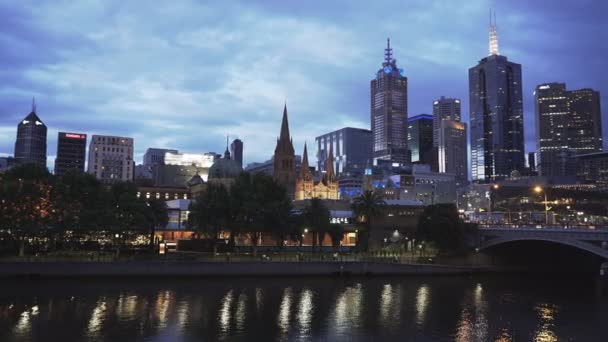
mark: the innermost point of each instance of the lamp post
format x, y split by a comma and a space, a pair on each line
538, 190
493, 187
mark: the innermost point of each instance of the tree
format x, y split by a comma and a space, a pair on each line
210, 212
317, 218
336, 233
79, 203
126, 214
367, 207
26, 207
441, 224
157, 216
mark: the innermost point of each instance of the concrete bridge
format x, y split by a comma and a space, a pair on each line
593, 239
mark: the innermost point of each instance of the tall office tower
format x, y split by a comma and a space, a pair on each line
585, 125
496, 115
444, 109
236, 151
111, 158
71, 152
156, 156
389, 111
351, 148
567, 123
552, 116
284, 158
420, 138
30, 146
452, 150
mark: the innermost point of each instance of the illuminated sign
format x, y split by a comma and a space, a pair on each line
75, 136
544, 87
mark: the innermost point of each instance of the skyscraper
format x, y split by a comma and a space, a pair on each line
236, 151
496, 115
30, 146
351, 147
71, 152
567, 123
585, 129
420, 138
389, 111
284, 158
452, 150
444, 109
111, 158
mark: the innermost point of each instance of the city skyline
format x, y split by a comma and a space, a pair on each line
203, 81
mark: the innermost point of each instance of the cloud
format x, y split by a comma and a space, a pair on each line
185, 74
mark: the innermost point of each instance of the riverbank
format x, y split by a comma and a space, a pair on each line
78, 269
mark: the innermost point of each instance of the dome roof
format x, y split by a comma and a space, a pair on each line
195, 180
224, 168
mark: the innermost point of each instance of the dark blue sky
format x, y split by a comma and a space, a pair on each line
184, 74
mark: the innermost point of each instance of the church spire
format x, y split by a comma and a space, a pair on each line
493, 43
227, 152
305, 157
284, 125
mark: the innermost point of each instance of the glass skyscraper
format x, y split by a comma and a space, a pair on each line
420, 138
351, 149
389, 112
496, 116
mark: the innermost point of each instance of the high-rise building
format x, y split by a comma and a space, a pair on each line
236, 151
389, 111
444, 109
452, 150
585, 126
284, 158
111, 158
156, 156
30, 146
352, 149
532, 161
420, 138
496, 115
567, 123
71, 152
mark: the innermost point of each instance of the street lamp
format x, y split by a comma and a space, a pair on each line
538, 190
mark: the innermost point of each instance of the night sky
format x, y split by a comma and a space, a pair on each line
184, 74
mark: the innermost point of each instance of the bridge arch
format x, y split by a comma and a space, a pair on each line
582, 245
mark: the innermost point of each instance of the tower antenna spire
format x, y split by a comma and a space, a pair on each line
33, 104
388, 53
493, 43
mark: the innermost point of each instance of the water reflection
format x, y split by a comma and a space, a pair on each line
284, 311
97, 318
390, 309
347, 313
305, 312
546, 327
422, 301
224, 314
390, 305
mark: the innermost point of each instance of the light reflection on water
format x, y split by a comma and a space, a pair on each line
458, 309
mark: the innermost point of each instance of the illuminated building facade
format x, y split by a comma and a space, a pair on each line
111, 158
389, 112
567, 123
452, 150
307, 188
444, 109
496, 116
71, 152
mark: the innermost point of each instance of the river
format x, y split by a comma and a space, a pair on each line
475, 308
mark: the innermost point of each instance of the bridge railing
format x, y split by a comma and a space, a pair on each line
542, 226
